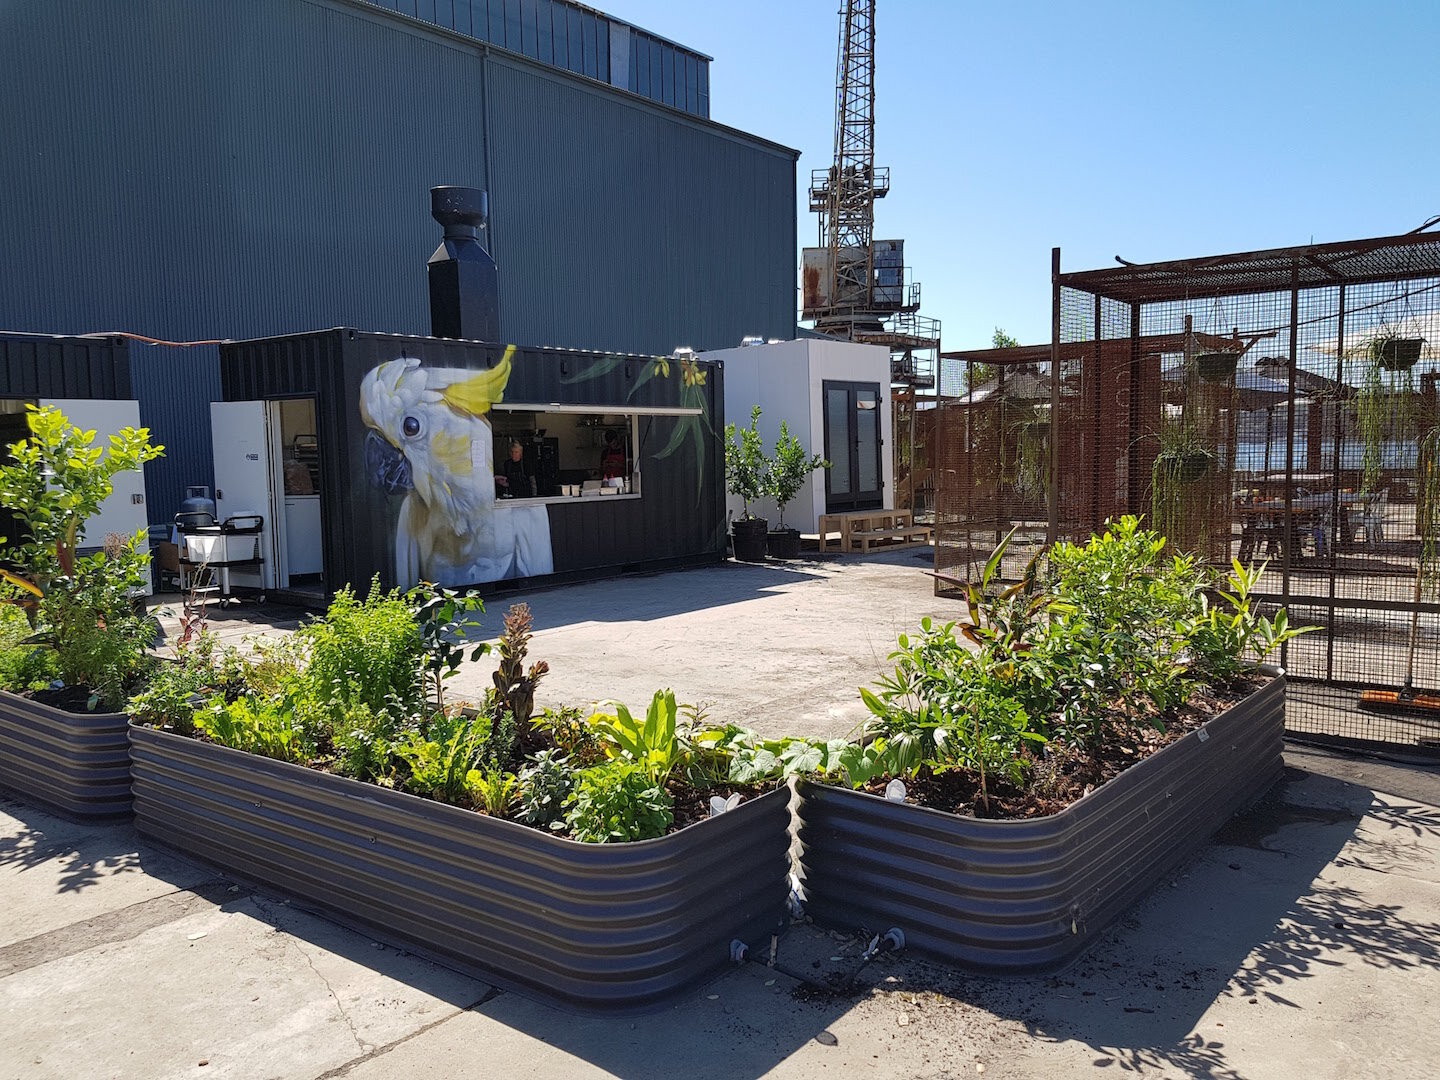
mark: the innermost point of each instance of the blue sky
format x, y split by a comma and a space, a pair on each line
1151, 130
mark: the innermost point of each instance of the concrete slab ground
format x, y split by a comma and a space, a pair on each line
780, 647
1303, 942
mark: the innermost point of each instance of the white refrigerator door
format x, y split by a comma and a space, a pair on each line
124, 512
243, 481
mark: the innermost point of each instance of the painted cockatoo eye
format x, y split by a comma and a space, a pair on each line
411, 427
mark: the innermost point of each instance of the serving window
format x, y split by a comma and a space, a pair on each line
564, 454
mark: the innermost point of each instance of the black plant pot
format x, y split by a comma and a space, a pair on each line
1216, 367
784, 543
749, 534
1399, 354
1193, 466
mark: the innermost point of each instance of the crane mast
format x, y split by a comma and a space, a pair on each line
855, 287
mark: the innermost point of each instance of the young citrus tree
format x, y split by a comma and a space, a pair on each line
80, 605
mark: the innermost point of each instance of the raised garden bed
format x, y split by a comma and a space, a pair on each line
597, 927
75, 763
1031, 895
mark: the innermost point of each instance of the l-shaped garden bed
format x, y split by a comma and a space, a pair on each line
613, 927
1031, 895
76, 763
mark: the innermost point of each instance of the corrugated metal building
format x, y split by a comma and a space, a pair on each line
197, 169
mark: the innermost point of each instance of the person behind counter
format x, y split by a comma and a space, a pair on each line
514, 481
612, 458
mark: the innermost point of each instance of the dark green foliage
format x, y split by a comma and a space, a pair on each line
447, 620
573, 734
545, 786
1116, 632
364, 743
616, 802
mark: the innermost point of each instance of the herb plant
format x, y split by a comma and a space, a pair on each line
618, 801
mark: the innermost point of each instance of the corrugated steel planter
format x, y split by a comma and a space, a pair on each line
1028, 896
598, 927
76, 763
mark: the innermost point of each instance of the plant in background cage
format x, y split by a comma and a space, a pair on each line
1179, 502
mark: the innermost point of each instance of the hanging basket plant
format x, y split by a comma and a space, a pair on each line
1395, 353
1216, 366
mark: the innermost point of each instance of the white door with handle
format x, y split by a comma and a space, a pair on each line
244, 481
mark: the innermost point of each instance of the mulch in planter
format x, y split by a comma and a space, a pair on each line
1069, 776
74, 699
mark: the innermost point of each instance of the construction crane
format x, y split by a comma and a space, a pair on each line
855, 287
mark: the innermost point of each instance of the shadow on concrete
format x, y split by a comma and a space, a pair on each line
1250, 917
86, 854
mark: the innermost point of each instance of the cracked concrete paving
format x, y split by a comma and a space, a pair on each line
1304, 941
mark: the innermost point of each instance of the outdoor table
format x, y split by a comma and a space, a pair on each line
1264, 516
854, 521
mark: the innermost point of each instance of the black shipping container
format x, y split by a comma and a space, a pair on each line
47, 366
402, 487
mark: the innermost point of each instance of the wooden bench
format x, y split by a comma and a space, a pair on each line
851, 523
906, 536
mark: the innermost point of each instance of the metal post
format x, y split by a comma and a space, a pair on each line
1287, 536
1052, 531
1338, 525
1132, 456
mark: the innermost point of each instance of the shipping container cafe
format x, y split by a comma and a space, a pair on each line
464, 463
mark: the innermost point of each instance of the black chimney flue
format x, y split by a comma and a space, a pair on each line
464, 284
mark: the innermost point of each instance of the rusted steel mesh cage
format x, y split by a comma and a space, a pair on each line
1274, 407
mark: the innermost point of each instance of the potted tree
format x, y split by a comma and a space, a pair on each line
747, 476
789, 470
62, 734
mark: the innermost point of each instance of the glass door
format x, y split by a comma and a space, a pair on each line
852, 446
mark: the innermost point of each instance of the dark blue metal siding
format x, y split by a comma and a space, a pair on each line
622, 226
197, 169
175, 388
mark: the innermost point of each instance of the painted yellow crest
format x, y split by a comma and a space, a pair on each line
477, 394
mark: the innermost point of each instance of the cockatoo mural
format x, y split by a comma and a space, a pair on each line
429, 438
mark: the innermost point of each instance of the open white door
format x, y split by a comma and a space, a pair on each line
124, 512
243, 480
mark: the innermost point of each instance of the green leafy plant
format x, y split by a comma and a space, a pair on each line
441, 759
514, 685
789, 469
746, 466
364, 742
446, 620
572, 733
23, 666
1237, 638
257, 726
618, 801
364, 653
495, 792
545, 785
79, 605
649, 744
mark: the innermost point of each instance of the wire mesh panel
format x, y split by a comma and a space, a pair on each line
1279, 408
991, 451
